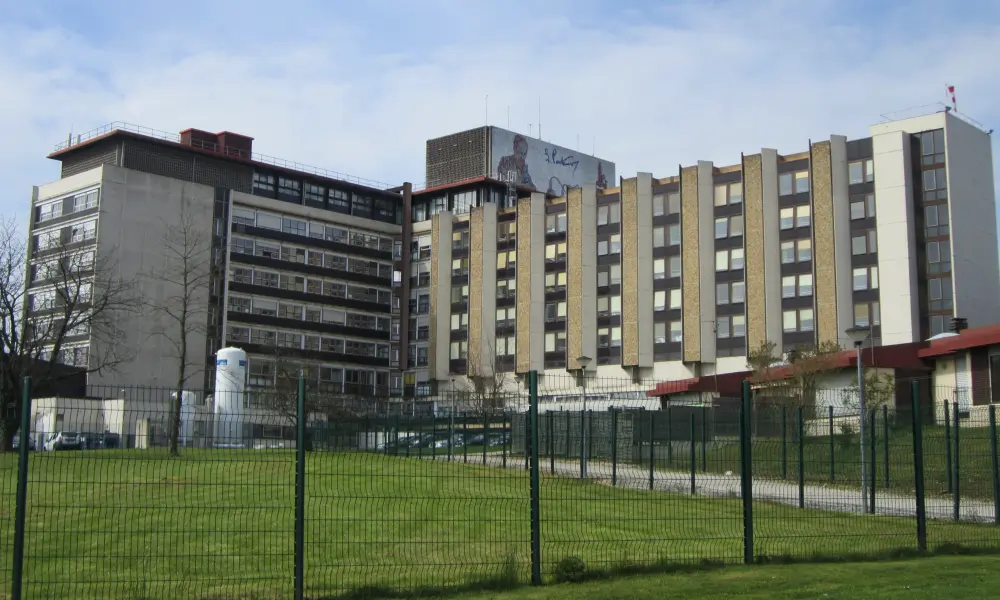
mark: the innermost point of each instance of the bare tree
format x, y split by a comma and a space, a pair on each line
489, 384
75, 294
799, 384
182, 312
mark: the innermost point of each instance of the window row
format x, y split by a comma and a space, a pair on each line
671, 332
861, 171
797, 320
297, 283
862, 206
864, 243
52, 209
72, 297
866, 314
728, 193
728, 227
729, 260
608, 214
555, 252
664, 299
609, 337
63, 268
669, 235
793, 251
865, 278
793, 183
795, 216
612, 245
78, 356
426, 210
338, 200
315, 258
305, 312
555, 223
667, 267
328, 379
733, 292
297, 340
667, 204
797, 286
54, 238
313, 229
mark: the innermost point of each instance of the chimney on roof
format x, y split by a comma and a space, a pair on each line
958, 324
224, 142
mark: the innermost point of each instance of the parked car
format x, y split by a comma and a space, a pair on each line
63, 440
17, 443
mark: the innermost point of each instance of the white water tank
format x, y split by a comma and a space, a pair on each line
230, 397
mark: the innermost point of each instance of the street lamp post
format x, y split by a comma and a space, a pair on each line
583, 361
858, 336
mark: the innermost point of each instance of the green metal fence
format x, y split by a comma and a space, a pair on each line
322, 497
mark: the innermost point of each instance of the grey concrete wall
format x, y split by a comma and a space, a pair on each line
136, 209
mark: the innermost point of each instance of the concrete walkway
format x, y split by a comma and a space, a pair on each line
819, 497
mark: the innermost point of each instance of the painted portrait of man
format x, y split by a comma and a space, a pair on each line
516, 163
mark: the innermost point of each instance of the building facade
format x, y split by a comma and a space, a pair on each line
486, 273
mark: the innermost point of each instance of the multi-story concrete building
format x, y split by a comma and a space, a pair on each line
301, 259
521, 256
675, 277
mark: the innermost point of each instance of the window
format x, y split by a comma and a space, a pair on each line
289, 311
555, 282
659, 205
802, 215
866, 314
674, 235
555, 311
793, 286
459, 350
291, 254
267, 308
932, 147
265, 279
460, 240
82, 231
241, 275
507, 260
660, 300
865, 278
507, 232
936, 220
555, 252
266, 250
608, 214
506, 316
675, 299
340, 201
555, 223
730, 293
243, 216
939, 293
864, 243
796, 251
935, 185
938, 257
506, 288
463, 202
459, 267
793, 183
615, 243
660, 268
616, 305
674, 203
798, 320
459, 294
315, 193
50, 211
659, 237
937, 324
862, 206
459, 321
263, 182
676, 331
728, 193
289, 187
659, 333
731, 327
861, 171
795, 216
506, 346
728, 227
293, 283
729, 260
85, 201
674, 266
555, 341
241, 246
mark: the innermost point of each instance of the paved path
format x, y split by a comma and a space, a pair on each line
821, 497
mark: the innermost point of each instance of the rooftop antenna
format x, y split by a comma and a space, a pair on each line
539, 117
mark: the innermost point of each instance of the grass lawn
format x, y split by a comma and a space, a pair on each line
975, 459
924, 579
220, 525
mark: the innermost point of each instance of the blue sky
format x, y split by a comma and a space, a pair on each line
358, 87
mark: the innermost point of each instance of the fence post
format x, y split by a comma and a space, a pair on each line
434, 435
503, 448
465, 439
529, 442
872, 462
885, 444
996, 464
21, 505
569, 435
451, 434
833, 464
956, 472
614, 447
549, 418
746, 475
704, 439
947, 446
670, 437
784, 444
486, 436
694, 458
918, 468
802, 458
590, 434
300, 489
652, 453
536, 535
583, 444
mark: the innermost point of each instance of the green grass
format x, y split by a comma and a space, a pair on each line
140, 525
925, 579
975, 459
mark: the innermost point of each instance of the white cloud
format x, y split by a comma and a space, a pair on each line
697, 81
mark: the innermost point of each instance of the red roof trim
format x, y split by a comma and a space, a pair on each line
725, 383
968, 339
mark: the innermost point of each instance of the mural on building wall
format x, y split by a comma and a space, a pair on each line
543, 166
